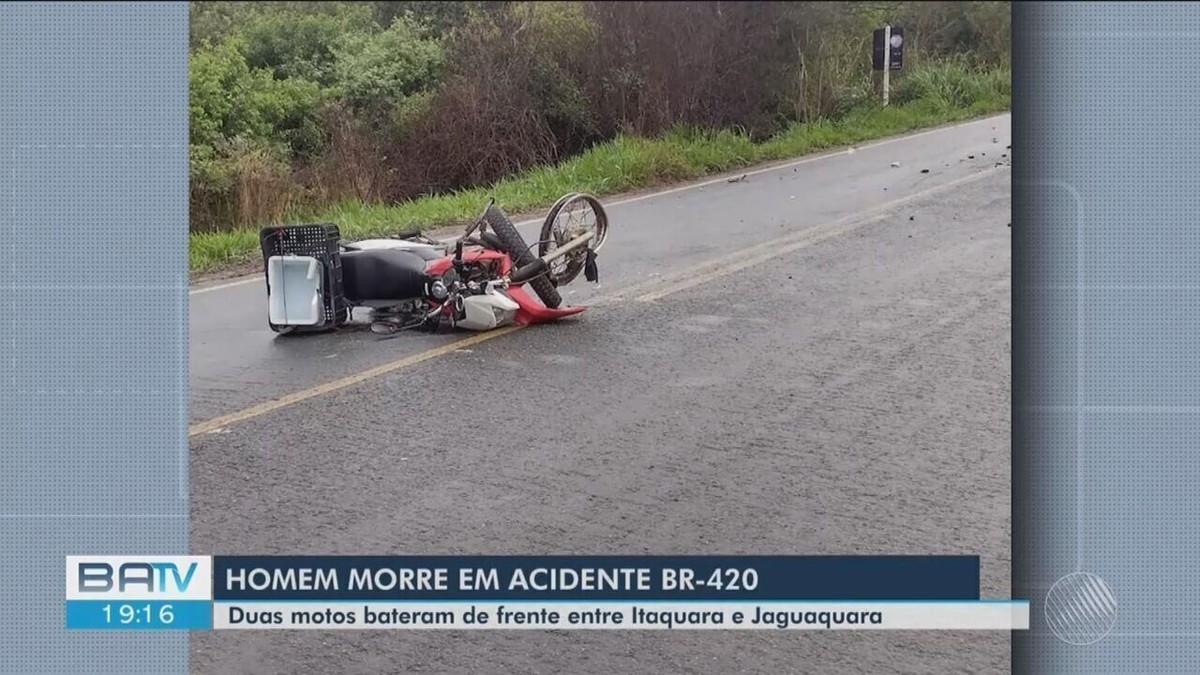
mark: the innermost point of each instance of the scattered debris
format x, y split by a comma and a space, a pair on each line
1010, 224
1004, 154
970, 156
895, 164
994, 140
851, 151
739, 179
463, 351
983, 154
912, 217
1008, 147
924, 170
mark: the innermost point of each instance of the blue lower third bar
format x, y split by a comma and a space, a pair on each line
140, 614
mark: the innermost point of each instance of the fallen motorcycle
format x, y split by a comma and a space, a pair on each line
315, 279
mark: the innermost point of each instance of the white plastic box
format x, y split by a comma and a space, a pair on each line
294, 290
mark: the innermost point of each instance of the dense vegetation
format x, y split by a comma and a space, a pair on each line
350, 110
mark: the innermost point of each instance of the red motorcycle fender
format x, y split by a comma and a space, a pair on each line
531, 311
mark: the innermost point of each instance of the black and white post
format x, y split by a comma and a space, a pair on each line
887, 54
887, 60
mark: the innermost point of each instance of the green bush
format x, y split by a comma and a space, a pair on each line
228, 99
246, 127
385, 68
304, 45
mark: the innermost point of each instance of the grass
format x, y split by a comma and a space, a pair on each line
947, 93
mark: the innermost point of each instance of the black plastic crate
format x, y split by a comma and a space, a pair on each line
317, 240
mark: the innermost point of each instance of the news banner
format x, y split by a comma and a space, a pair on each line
533, 592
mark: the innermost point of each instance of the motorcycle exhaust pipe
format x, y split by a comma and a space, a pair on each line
533, 270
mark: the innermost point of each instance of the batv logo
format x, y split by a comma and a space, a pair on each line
144, 577
151, 577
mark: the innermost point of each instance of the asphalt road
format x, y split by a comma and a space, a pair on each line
812, 360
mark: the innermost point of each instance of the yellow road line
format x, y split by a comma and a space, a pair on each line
759, 254
667, 285
348, 381
746, 263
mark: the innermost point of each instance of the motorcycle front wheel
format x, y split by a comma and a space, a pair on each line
573, 215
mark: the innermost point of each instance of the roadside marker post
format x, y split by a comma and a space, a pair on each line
887, 55
887, 61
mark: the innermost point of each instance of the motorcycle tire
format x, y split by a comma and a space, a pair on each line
574, 265
515, 246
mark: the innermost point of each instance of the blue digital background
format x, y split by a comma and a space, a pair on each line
93, 333
1106, 327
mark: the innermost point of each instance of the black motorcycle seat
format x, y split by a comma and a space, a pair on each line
383, 274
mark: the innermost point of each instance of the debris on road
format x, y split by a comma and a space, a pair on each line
970, 156
912, 217
994, 140
924, 170
895, 164
739, 179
